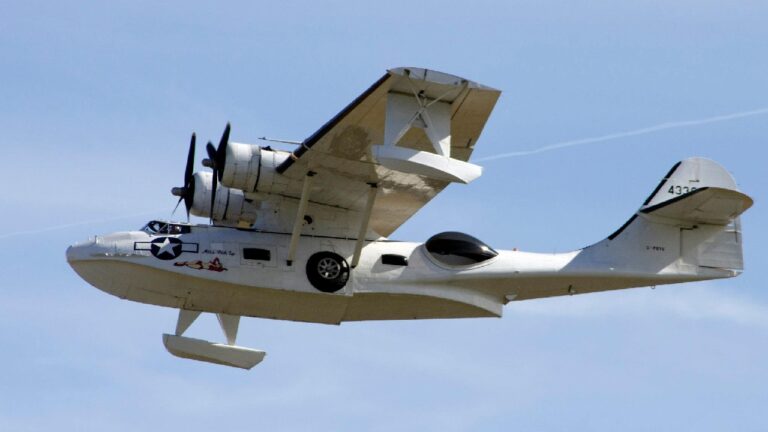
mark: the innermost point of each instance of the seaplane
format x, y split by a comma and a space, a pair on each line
302, 235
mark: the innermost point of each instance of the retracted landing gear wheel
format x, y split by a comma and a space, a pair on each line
327, 271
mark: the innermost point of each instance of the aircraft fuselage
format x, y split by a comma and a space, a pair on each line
246, 273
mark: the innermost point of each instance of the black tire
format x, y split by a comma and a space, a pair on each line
327, 271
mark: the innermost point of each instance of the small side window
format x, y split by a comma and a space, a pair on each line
392, 259
257, 254
178, 229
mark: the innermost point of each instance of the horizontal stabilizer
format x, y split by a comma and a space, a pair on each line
708, 205
227, 355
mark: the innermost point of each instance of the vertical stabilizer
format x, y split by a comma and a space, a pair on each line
688, 225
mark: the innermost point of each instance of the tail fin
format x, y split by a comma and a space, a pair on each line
688, 225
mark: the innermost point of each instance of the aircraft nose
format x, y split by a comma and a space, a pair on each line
82, 250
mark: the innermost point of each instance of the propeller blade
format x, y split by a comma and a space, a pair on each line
186, 192
189, 196
221, 152
189, 181
177, 205
190, 161
213, 194
211, 150
214, 185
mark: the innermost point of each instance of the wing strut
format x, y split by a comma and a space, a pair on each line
229, 325
299, 222
186, 318
364, 223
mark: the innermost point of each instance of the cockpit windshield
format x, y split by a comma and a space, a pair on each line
160, 227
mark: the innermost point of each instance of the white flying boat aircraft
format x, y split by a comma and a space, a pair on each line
302, 235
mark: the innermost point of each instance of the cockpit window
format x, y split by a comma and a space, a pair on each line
160, 227
154, 227
458, 249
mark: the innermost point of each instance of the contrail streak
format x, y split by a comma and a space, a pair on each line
72, 225
617, 135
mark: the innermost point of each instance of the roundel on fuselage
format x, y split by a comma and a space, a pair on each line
166, 248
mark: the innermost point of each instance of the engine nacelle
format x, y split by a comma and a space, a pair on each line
242, 166
230, 207
250, 168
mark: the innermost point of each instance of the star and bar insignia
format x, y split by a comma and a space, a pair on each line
166, 248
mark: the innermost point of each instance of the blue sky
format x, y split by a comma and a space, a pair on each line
98, 101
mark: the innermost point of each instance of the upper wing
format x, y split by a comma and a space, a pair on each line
409, 134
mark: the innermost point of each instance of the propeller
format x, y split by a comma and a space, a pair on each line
212, 157
186, 193
217, 159
221, 151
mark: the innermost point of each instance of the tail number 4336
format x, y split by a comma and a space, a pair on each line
680, 190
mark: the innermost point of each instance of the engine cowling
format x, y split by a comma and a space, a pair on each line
242, 166
250, 168
230, 207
